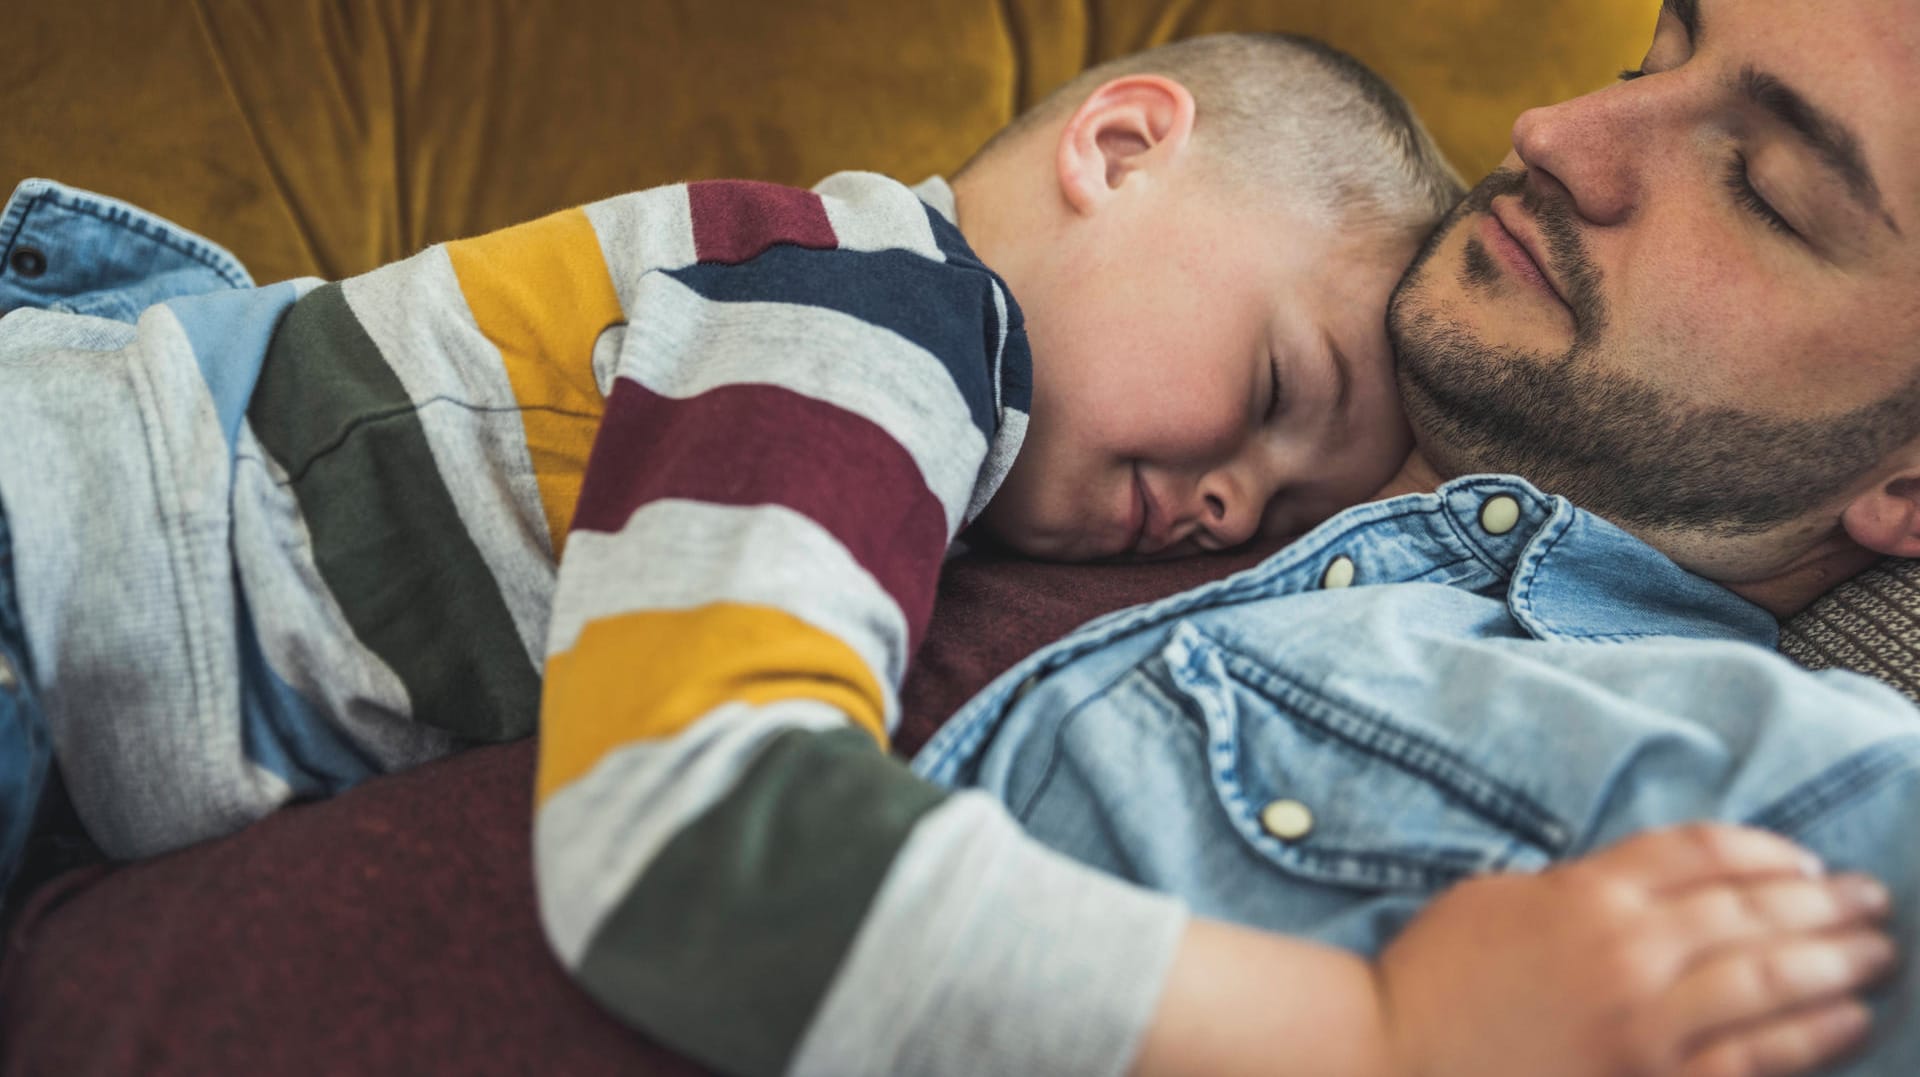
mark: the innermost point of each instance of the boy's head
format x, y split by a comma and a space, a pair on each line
1203, 238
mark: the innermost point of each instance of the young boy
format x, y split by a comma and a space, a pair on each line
674, 475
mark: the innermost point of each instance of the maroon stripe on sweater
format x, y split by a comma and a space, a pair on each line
735, 220
765, 445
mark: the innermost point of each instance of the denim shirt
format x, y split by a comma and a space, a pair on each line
1478, 680
70, 250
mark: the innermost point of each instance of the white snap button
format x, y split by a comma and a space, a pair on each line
1499, 515
1339, 574
7, 677
1288, 820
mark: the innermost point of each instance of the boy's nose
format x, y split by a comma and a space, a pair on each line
1229, 513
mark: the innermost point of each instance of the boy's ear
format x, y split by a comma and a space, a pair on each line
1886, 518
1128, 125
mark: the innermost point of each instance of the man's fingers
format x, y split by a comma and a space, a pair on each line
1683, 856
1787, 1045
1743, 911
1747, 986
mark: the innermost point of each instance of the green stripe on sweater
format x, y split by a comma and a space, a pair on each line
386, 534
728, 943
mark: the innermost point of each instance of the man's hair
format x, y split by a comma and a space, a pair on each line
1288, 114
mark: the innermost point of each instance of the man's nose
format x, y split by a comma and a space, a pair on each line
1587, 151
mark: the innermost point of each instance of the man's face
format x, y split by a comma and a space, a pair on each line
1690, 300
1204, 371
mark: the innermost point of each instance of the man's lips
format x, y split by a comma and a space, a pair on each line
1513, 239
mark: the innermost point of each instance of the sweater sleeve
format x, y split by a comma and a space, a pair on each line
795, 424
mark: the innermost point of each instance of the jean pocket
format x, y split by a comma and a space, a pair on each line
1327, 792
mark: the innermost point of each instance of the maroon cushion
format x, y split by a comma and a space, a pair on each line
393, 929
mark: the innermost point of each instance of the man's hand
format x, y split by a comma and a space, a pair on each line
1701, 951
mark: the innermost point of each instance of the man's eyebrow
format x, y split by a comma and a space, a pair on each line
1837, 146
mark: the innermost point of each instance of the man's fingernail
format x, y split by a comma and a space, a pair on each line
1878, 952
1812, 866
1865, 895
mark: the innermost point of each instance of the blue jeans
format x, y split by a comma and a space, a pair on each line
26, 752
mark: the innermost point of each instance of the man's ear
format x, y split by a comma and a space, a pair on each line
1128, 125
1886, 518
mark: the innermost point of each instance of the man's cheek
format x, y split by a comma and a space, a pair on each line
1706, 342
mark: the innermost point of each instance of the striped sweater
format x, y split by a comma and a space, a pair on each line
672, 476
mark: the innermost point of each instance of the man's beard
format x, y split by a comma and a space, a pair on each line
1613, 443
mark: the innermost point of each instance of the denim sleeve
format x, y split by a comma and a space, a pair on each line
1860, 816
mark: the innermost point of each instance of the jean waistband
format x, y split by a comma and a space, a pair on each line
67, 249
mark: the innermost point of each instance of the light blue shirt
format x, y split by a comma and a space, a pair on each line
1478, 680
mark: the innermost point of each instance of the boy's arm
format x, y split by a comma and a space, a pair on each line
1700, 951
728, 858
726, 855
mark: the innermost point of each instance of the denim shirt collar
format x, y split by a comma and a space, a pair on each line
1579, 576
1562, 573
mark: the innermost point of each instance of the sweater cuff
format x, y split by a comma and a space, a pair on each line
986, 952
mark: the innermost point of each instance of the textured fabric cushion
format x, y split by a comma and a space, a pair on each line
1870, 624
393, 929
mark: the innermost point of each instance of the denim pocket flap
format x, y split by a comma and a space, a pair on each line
1329, 793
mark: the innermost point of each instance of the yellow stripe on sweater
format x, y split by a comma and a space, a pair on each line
650, 675
541, 293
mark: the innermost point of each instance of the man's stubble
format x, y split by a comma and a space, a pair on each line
1578, 425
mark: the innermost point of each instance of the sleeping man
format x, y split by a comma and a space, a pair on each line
1673, 347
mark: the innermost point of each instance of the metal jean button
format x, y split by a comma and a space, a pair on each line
28, 262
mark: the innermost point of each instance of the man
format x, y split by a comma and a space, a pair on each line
1686, 305
1687, 302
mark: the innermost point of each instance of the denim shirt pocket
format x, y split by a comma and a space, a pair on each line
1326, 792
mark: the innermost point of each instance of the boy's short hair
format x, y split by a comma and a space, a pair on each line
1287, 113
